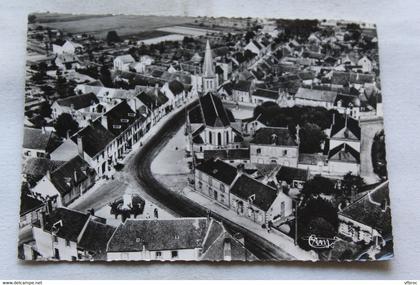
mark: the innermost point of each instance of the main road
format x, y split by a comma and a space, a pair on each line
139, 167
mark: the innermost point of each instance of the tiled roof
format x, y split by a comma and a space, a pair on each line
347, 100
70, 174
219, 170
120, 117
38, 166
152, 98
271, 94
289, 174
227, 154
95, 137
36, 139
65, 223
316, 95
344, 153
214, 248
263, 196
79, 101
127, 58
183, 233
95, 238
372, 209
29, 203
242, 85
214, 112
351, 128
176, 87
274, 136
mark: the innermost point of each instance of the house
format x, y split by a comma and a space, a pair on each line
37, 143
179, 239
68, 182
241, 91
212, 126
97, 145
83, 108
292, 177
214, 178
315, 98
259, 202
64, 234
251, 125
30, 206
368, 219
261, 95
123, 62
67, 61
315, 163
68, 47
348, 105
344, 146
256, 47
274, 146
176, 92
142, 64
35, 168
365, 64
155, 102
233, 156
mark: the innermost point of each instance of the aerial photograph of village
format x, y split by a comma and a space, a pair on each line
160, 138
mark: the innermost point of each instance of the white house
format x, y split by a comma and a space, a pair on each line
179, 239
214, 178
123, 62
68, 47
315, 98
274, 146
259, 202
366, 64
372, 225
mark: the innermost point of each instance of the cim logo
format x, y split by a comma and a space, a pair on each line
321, 242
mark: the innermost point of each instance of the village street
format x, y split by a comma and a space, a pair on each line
369, 128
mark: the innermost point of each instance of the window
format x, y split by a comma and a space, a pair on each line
210, 181
174, 254
124, 121
258, 151
158, 254
222, 188
210, 138
284, 152
116, 127
55, 239
73, 258
67, 242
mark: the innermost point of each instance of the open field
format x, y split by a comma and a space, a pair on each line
99, 26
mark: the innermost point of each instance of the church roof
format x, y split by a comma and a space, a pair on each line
214, 113
208, 67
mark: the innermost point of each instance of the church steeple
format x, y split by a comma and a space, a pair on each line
208, 67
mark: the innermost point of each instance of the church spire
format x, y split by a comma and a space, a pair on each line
208, 67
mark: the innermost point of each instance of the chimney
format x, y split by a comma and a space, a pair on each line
42, 219
80, 146
227, 249
43, 130
156, 89
75, 176
68, 134
104, 121
48, 174
333, 119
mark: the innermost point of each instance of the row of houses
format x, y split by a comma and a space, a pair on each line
64, 234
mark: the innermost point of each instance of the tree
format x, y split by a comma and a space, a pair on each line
379, 155
316, 217
45, 110
317, 185
351, 184
311, 137
249, 36
65, 123
31, 18
112, 37
106, 76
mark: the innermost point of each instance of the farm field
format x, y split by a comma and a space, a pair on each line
124, 25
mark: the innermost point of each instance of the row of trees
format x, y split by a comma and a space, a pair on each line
311, 120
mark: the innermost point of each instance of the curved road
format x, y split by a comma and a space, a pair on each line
139, 167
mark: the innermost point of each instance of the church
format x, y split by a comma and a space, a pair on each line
208, 80
212, 126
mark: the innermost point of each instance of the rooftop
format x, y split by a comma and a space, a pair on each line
274, 136
219, 170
